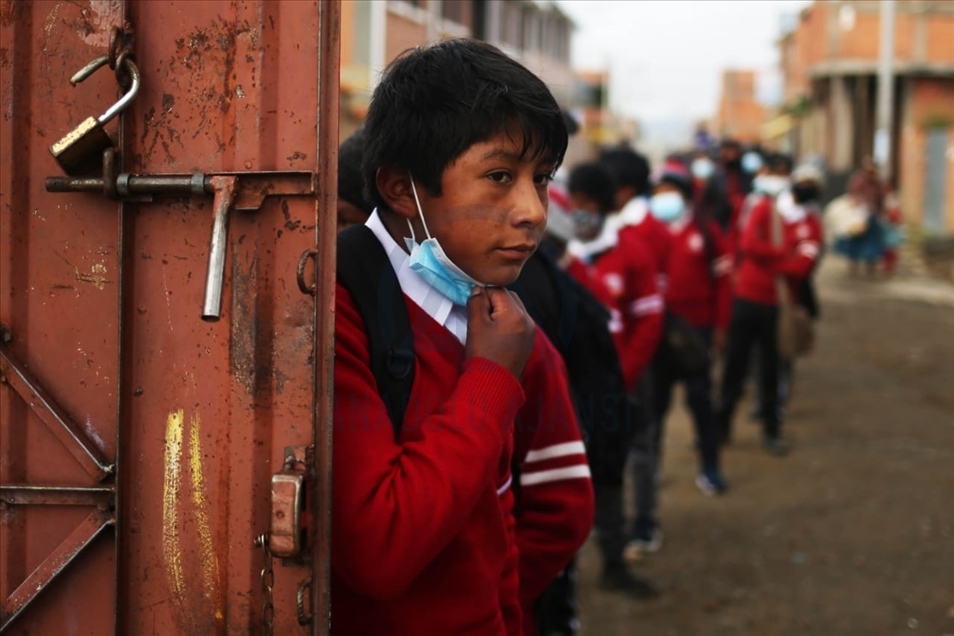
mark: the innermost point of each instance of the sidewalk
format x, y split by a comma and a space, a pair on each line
910, 284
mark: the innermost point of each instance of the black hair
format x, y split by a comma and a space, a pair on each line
683, 184
594, 180
350, 179
435, 102
779, 162
628, 167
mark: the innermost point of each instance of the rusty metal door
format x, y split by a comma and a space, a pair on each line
139, 435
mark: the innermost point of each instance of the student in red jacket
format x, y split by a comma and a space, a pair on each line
619, 273
631, 172
432, 534
755, 305
617, 269
698, 292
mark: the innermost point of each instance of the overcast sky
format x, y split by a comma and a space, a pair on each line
666, 57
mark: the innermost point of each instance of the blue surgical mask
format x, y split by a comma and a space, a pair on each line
751, 162
702, 168
430, 262
667, 206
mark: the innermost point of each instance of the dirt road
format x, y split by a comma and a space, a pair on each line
851, 534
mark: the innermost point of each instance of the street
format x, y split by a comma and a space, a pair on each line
853, 533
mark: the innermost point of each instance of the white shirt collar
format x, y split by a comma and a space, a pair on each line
634, 212
791, 211
435, 304
585, 250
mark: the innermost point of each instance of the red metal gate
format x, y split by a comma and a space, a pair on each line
139, 435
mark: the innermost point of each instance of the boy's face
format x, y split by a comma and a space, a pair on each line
588, 219
492, 211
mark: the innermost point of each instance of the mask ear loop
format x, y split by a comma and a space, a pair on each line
420, 212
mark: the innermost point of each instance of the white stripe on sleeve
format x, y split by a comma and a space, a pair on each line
647, 305
504, 488
557, 474
722, 265
808, 248
557, 450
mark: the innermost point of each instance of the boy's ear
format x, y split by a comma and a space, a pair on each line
394, 186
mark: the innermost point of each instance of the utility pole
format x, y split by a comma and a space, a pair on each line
882, 141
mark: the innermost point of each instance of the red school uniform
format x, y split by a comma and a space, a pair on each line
635, 220
699, 268
425, 540
760, 261
623, 277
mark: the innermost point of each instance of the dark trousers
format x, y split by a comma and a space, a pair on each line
753, 325
557, 609
699, 401
646, 453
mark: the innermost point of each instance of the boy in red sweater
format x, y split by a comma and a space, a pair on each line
619, 272
618, 269
432, 534
631, 172
755, 303
698, 292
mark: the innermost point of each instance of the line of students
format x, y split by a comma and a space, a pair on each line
457, 520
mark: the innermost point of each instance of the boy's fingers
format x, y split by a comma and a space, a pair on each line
496, 300
477, 304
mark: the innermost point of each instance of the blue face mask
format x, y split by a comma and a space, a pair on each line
702, 168
751, 162
667, 206
433, 265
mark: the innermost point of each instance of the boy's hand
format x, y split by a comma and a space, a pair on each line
499, 328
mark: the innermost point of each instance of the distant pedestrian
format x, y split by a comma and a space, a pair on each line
856, 222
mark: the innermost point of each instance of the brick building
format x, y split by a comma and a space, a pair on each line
535, 32
740, 114
829, 63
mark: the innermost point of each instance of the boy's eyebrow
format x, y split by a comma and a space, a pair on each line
501, 153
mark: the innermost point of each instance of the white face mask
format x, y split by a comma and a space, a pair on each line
434, 266
770, 184
702, 168
790, 210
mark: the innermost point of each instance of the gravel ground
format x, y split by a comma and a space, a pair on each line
853, 533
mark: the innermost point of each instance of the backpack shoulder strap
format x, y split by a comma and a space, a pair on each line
365, 271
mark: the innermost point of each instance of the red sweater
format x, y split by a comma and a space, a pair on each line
625, 278
698, 289
760, 261
655, 236
424, 536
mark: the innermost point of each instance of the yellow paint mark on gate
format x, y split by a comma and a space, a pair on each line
171, 546
210, 563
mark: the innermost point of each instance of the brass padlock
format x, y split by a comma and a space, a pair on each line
80, 151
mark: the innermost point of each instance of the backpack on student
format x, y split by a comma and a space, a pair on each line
574, 321
364, 270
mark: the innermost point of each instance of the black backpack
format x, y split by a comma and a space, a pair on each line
364, 270
571, 317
